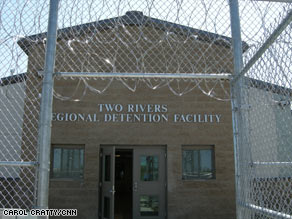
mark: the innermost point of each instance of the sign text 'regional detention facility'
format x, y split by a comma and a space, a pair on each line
135, 113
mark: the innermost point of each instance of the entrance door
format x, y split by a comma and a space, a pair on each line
149, 183
108, 182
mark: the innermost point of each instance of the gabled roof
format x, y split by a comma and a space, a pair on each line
131, 18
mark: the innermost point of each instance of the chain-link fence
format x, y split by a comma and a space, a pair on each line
19, 103
179, 45
265, 167
145, 37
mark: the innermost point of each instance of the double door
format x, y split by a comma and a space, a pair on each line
148, 183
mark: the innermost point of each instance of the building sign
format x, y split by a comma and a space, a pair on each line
135, 113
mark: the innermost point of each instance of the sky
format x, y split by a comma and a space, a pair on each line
20, 18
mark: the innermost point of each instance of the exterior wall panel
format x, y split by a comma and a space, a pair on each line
185, 199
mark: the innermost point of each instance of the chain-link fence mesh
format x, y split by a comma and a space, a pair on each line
146, 37
19, 102
158, 37
265, 164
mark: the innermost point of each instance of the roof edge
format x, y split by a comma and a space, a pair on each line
14, 79
131, 18
268, 86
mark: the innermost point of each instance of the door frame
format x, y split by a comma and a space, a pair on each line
109, 185
133, 146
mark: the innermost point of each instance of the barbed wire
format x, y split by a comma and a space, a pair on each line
159, 37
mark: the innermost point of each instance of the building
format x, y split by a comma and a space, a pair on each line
275, 103
11, 113
265, 157
147, 154
272, 143
12, 100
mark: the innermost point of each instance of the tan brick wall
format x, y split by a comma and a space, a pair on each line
185, 199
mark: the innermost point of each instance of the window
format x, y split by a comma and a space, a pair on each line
149, 168
198, 162
68, 162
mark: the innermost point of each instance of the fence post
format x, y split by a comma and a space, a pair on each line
236, 93
44, 136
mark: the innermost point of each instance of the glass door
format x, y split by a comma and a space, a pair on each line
149, 184
107, 182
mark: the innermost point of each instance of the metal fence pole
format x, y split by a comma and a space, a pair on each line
44, 137
236, 92
144, 75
